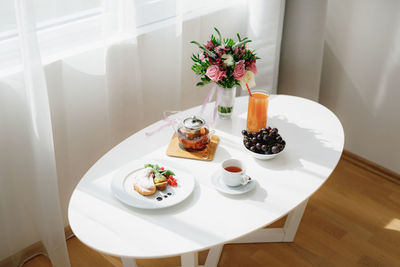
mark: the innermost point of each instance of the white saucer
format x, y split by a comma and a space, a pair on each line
216, 180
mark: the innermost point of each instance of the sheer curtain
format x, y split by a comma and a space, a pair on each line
72, 90
30, 205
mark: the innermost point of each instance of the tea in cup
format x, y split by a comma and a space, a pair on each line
233, 173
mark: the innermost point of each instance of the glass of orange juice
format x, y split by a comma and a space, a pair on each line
257, 111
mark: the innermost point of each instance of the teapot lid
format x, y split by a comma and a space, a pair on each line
193, 122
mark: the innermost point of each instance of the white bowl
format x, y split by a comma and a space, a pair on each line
262, 156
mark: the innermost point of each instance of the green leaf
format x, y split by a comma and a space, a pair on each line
168, 172
148, 165
241, 43
210, 53
238, 37
229, 42
196, 58
219, 35
199, 84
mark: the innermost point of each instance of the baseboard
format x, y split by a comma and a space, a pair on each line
22, 256
371, 167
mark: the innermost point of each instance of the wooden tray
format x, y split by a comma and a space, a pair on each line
207, 154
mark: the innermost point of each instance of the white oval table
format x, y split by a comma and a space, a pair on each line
207, 218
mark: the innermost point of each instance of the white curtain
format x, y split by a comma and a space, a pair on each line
30, 204
70, 92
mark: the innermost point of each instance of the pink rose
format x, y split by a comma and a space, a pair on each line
253, 67
214, 73
222, 74
239, 70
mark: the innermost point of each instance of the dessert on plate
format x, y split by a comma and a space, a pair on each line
143, 181
151, 178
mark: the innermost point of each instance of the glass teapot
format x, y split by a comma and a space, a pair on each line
193, 132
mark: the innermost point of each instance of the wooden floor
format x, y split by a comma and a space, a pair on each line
353, 220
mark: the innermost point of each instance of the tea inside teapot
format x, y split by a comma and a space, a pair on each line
193, 133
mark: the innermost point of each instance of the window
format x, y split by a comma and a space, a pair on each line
68, 27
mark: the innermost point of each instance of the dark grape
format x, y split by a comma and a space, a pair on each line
275, 149
258, 146
264, 141
270, 141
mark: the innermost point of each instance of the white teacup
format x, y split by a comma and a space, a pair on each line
233, 173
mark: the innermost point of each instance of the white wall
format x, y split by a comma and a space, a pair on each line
302, 48
361, 76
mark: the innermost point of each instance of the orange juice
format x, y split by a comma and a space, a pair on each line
257, 111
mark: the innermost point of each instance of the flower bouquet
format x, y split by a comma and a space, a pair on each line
226, 63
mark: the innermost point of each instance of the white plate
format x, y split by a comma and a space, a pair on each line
122, 186
216, 180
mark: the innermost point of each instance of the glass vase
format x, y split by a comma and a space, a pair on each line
226, 102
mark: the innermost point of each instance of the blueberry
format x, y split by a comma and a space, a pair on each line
159, 198
169, 193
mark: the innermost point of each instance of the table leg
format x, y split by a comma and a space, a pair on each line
213, 256
285, 234
293, 221
190, 259
128, 262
